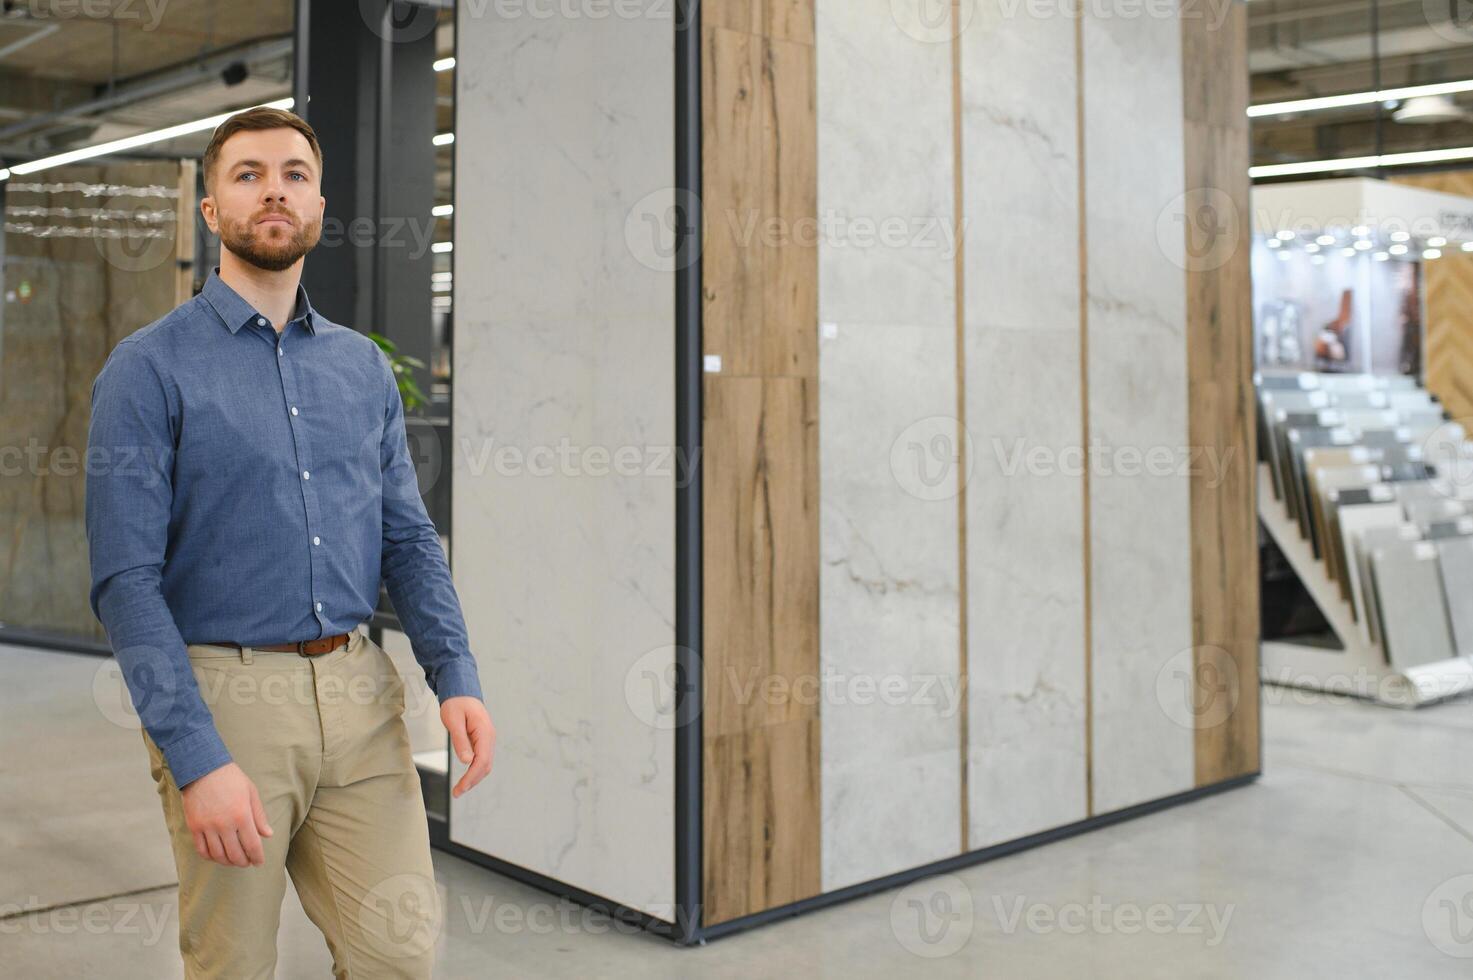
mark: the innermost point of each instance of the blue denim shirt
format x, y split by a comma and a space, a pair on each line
255, 488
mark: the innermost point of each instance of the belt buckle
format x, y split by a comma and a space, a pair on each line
301, 649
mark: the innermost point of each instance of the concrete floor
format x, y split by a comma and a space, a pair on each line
1351, 857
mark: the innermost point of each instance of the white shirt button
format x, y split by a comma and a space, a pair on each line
280, 352
260, 321
319, 607
306, 475
316, 539
294, 409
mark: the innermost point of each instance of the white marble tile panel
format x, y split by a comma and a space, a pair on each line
563, 554
1140, 548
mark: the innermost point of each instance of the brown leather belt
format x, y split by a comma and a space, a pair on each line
305, 648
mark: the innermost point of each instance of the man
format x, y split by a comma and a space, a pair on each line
249, 487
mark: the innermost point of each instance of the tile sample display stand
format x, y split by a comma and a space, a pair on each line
1360, 668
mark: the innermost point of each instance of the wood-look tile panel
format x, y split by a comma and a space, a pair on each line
1225, 614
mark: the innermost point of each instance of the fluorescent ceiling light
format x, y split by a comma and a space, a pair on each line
444, 64
1362, 163
443, 139
442, 210
132, 142
1358, 98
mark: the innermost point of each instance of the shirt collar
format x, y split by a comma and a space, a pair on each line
236, 312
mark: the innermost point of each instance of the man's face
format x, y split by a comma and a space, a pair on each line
267, 202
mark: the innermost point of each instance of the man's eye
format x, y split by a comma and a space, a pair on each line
296, 173
245, 175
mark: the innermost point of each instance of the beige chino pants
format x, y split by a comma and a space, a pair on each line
323, 739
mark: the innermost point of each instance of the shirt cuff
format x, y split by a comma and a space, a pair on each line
458, 679
194, 755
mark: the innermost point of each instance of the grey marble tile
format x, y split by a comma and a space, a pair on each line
563, 483
1025, 545
1140, 551
889, 605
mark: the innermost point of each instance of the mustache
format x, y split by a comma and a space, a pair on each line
280, 212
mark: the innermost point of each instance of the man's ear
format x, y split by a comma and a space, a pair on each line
207, 209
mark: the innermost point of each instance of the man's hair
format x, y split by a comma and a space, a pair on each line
260, 117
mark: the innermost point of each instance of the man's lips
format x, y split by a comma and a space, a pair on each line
274, 219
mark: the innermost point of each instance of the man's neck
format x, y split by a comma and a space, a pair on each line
273, 294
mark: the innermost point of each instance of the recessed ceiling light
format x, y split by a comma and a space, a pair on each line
1399, 236
1398, 250
130, 142
1432, 253
1437, 241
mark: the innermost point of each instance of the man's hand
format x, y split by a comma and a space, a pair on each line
472, 736
224, 811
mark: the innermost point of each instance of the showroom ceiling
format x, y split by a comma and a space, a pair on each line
75, 73
1301, 49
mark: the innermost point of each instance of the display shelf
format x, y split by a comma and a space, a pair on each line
1359, 668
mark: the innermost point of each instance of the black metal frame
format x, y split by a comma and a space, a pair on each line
687, 931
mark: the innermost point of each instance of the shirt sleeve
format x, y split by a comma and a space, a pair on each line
414, 567
129, 501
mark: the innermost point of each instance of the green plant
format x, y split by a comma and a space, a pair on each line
401, 363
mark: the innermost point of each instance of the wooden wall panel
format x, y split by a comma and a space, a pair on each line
760, 478
1447, 353
1225, 626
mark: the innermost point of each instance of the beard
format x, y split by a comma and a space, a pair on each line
271, 248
